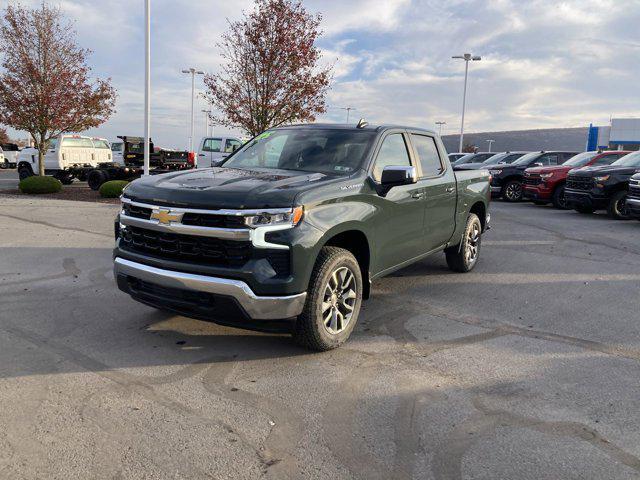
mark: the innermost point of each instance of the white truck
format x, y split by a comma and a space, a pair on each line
9, 155
68, 157
213, 150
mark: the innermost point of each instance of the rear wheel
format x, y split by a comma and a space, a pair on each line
24, 172
512, 191
463, 257
333, 301
559, 200
96, 178
618, 208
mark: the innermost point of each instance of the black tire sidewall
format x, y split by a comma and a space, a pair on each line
558, 193
613, 210
506, 187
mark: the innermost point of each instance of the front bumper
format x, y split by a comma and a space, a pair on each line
582, 198
132, 277
536, 193
496, 190
633, 204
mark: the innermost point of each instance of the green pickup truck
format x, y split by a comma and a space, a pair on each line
290, 231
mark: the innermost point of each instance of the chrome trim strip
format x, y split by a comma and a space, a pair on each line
496, 189
208, 212
635, 201
257, 307
224, 233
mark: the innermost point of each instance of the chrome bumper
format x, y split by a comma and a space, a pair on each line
256, 307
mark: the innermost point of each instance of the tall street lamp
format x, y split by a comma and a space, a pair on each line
147, 84
193, 72
490, 142
206, 121
440, 124
467, 57
348, 109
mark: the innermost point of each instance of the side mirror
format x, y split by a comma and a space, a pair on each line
395, 175
538, 164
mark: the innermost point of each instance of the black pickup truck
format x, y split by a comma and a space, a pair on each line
290, 231
128, 156
507, 180
633, 199
603, 187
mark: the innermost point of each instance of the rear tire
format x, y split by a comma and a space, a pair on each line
512, 191
559, 200
96, 178
617, 208
333, 301
25, 172
463, 257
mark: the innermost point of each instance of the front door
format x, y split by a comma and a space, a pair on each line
400, 213
440, 191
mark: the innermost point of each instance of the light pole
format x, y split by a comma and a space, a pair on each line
193, 72
206, 121
348, 109
440, 124
467, 57
147, 84
490, 142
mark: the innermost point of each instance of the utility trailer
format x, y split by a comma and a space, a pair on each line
128, 162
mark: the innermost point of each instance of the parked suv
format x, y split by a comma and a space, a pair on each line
473, 158
506, 180
604, 187
295, 225
546, 184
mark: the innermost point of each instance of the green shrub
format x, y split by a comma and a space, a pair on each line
112, 189
37, 184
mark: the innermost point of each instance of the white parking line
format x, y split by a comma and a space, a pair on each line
517, 242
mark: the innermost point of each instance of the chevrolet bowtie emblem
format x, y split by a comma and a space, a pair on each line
165, 217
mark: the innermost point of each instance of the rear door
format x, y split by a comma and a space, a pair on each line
399, 222
440, 190
211, 150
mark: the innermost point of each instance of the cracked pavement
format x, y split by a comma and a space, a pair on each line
527, 368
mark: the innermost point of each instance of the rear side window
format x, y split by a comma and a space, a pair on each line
212, 145
101, 144
427, 154
77, 142
230, 143
392, 152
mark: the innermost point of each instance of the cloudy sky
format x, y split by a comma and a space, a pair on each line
544, 63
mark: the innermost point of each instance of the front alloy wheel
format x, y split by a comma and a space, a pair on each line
333, 301
339, 300
513, 191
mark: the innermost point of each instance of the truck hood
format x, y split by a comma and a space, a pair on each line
550, 169
604, 170
216, 188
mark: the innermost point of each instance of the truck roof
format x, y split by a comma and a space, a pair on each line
349, 126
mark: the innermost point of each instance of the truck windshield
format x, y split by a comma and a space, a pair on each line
526, 159
580, 160
331, 151
631, 160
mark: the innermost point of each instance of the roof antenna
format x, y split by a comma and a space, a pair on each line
362, 123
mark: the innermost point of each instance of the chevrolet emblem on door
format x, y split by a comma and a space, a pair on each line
165, 217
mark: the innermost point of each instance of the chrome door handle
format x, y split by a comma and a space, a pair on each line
417, 195
450, 189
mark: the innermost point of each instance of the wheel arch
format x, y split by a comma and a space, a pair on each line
480, 209
356, 242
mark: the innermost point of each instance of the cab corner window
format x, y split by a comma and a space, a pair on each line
428, 155
392, 152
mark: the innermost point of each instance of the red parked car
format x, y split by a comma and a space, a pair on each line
546, 184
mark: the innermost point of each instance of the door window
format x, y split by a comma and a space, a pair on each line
606, 160
392, 152
212, 145
428, 155
230, 143
548, 159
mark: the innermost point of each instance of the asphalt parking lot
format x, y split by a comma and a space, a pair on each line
526, 368
8, 178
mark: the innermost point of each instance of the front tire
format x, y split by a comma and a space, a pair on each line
24, 172
559, 200
96, 178
333, 301
512, 191
463, 257
618, 208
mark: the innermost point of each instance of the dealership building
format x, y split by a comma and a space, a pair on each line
622, 134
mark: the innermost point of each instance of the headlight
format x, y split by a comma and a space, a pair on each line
495, 172
603, 178
267, 219
545, 176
